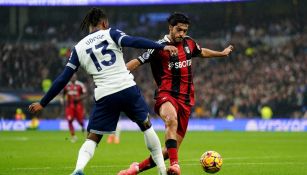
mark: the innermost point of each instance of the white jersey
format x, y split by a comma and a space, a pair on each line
102, 57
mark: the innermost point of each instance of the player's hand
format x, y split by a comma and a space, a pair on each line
172, 49
227, 51
35, 107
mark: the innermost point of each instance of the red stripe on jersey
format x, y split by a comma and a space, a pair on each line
174, 74
74, 91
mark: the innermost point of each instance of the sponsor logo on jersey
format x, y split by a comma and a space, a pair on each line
179, 64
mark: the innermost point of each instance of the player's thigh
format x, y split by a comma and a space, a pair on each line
105, 115
167, 110
69, 113
80, 113
134, 105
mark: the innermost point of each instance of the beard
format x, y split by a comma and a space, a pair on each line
178, 40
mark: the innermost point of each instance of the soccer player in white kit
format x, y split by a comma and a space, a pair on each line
101, 56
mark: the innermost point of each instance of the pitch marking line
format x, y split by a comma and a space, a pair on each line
185, 164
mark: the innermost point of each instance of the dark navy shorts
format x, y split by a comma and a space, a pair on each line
107, 110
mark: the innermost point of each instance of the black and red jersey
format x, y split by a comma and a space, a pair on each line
73, 91
173, 74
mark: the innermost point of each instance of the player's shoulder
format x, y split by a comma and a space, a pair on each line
162, 41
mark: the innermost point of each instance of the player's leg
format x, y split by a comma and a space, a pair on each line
137, 110
183, 113
149, 163
154, 146
117, 134
69, 117
86, 152
80, 116
168, 114
103, 119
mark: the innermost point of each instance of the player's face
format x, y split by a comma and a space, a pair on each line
178, 32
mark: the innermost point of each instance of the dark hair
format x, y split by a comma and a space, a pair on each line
176, 18
93, 17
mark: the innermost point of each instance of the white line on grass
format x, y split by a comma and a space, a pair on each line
14, 139
182, 163
32, 168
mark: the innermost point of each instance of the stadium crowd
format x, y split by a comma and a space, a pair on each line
268, 67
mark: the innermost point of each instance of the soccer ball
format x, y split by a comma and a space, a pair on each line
211, 161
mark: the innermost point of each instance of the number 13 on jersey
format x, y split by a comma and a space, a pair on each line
104, 51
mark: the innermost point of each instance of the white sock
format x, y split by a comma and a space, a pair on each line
117, 131
86, 152
154, 146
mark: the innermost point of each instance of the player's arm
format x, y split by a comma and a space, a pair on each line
59, 83
144, 58
83, 93
124, 40
208, 53
133, 64
54, 90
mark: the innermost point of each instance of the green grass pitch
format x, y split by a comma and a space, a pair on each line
244, 153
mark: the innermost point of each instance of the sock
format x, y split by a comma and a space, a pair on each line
117, 131
86, 152
171, 146
154, 146
147, 164
71, 128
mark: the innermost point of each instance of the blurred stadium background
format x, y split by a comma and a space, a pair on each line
262, 86
267, 69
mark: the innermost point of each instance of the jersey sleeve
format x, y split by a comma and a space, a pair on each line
124, 40
117, 35
56, 87
196, 49
73, 61
61, 81
146, 56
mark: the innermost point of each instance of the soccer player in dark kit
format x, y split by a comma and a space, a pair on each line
175, 94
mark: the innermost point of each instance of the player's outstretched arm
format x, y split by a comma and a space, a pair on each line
208, 53
124, 40
54, 90
133, 64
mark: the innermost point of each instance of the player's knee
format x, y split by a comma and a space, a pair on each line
171, 121
95, 137
144, 125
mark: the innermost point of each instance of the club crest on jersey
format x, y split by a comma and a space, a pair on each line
145, 56
187, 50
